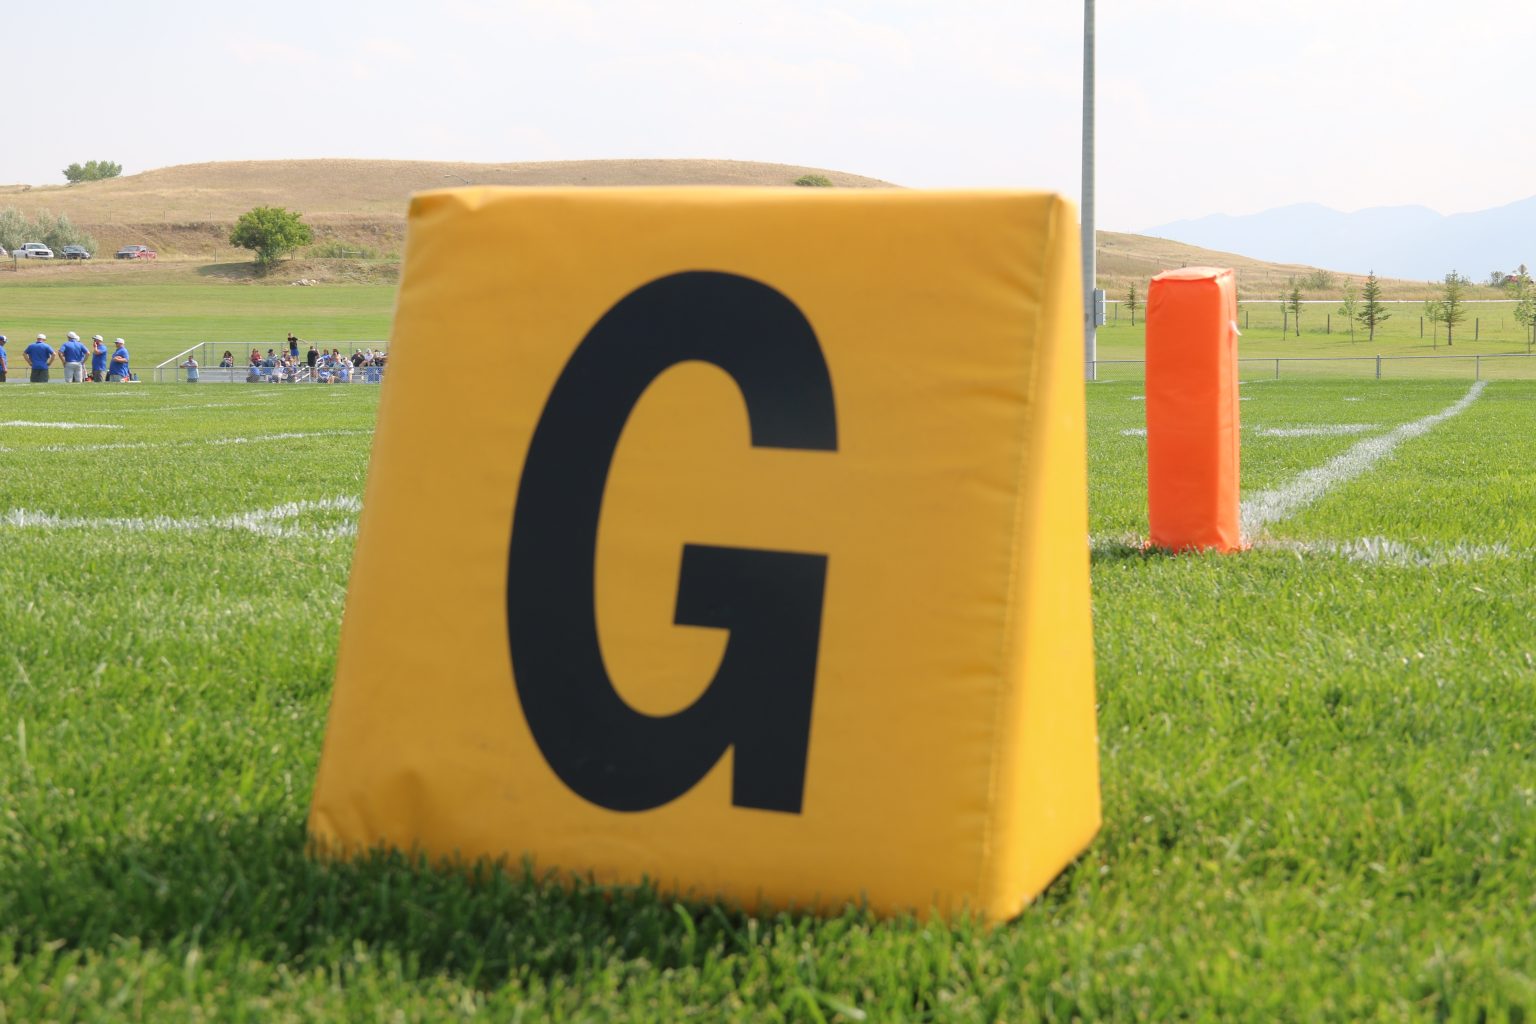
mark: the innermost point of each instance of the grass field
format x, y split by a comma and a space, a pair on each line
158, 320
1319, 756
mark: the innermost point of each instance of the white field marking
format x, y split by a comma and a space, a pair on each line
267, 522
1367, 550
62, 426
1138, 398
134, 445
1326, 430
1134, 432
1283, 502
1351, 399
1256, 380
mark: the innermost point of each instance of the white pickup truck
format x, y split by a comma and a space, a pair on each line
32, 251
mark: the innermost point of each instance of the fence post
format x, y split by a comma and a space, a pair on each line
1329, 328
1477, 327
1378, 366
1277, 369
1477, 364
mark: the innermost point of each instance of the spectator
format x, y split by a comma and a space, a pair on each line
255, 357
313, 355
119, 368
228, 362
72, 355
98, 359
40, 355
191, 367
4, 366
293, 347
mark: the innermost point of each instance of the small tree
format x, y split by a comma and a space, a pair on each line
271, 232
1372, 312
1131, 303
1525, 309
1496, 278
1350, 308
1294, 305
1450, 305
92, 170
814, 181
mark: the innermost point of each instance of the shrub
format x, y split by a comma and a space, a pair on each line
54, 232
814, 181
271, 232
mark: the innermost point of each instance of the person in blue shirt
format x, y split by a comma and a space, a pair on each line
40, 355
119, 362
3, 364
98, 359
72, 355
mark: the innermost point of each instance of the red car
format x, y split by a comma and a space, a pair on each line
135, 252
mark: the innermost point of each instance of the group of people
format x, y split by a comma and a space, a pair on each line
72, 354
318, 365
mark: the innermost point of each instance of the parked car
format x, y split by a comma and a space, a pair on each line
74, 252
135, 252
33, 251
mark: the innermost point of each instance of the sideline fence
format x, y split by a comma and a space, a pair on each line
1503, 366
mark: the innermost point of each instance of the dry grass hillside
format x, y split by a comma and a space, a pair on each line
187, 210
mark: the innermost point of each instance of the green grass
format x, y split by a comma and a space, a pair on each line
1319, 778
158, 320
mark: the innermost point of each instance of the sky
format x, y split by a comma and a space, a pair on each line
1203, 106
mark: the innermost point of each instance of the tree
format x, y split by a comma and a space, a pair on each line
814, 181
1130, 302
1525, 308
1496, 278
1350, 309
1294, 305
271, 232
1449, 308
92, 170
1372, 312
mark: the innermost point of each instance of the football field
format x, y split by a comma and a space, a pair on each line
1318, 756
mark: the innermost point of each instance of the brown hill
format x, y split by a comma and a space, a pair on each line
187, 210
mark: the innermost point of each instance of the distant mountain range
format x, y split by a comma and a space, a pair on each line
1396, 241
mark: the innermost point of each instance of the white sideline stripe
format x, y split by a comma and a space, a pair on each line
1272, 506
1134, 432
1330, 430
267, 522
1368, 550
62, 426
132, 445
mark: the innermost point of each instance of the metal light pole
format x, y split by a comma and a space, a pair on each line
1090, 275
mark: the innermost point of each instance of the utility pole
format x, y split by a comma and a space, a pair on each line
1090, 269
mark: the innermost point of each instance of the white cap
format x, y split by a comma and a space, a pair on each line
72, 336
119, 341
42, 337
95, 337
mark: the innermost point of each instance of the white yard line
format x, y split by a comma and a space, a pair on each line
1266, 507
1134, 432
267, 522
217, 441
62, 426
1327, 430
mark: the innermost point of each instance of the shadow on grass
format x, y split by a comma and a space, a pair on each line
250, 884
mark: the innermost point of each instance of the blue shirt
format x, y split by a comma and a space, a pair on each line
120, 368
38, 353
72, 351
98, 360
3, 363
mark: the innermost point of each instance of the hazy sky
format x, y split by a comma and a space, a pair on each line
1204, 106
